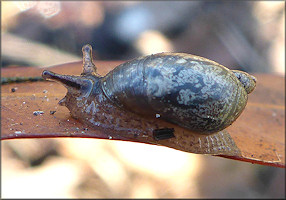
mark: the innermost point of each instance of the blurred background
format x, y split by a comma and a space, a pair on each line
244, 35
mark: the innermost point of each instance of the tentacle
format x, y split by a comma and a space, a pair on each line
88, 65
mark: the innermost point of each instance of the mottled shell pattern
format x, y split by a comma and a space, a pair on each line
190, 91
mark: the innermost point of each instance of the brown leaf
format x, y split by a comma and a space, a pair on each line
258, 132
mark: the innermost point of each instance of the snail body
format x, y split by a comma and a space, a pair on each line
169, 95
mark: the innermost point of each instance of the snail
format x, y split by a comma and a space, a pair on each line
175, 99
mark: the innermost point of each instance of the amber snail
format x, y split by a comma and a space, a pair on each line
165, 95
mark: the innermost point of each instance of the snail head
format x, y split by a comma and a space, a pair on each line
78, 86
248, 81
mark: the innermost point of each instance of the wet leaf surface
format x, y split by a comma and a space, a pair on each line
258, 132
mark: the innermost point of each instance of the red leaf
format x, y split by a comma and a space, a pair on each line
258, 132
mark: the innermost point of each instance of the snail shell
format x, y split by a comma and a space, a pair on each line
190, 92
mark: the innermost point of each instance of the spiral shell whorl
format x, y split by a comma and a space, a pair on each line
187, 90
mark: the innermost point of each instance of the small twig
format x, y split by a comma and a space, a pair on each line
8, 80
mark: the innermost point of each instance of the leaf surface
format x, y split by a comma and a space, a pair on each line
258, 132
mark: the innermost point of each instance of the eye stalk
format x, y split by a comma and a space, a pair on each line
78, 86
66, 80
70, 82
89, 67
